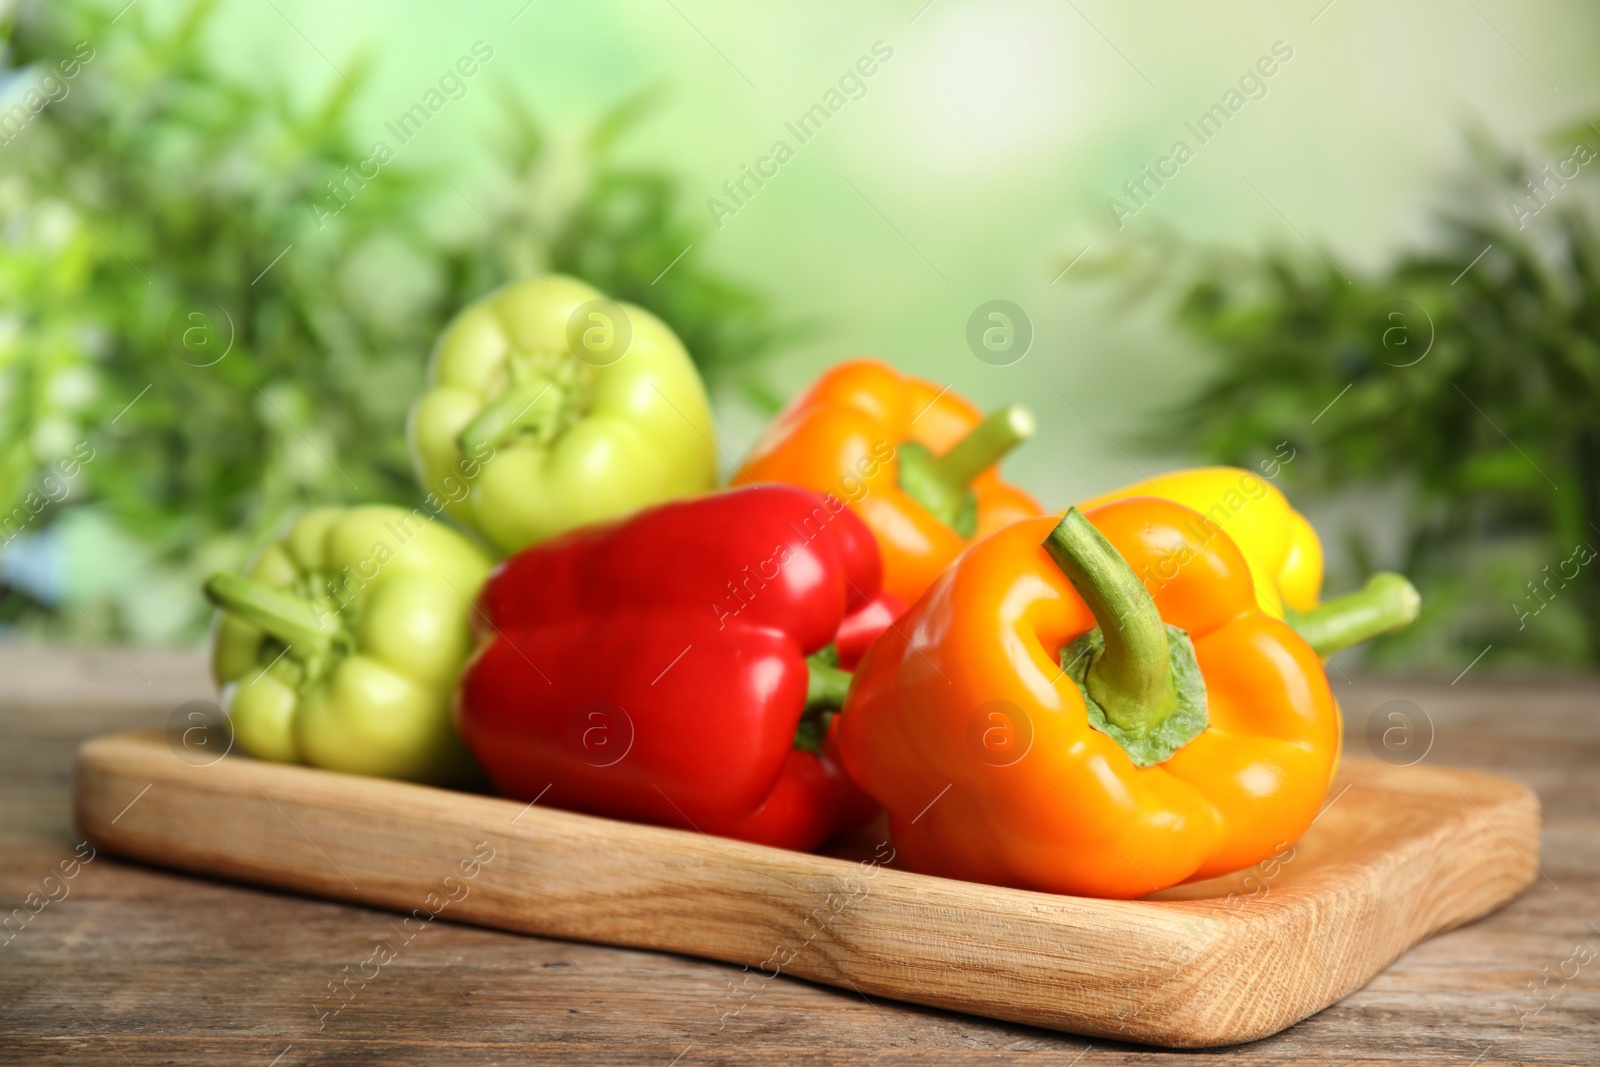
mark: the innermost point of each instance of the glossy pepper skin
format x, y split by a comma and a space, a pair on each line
1284, 555
341, 645
546, 411
876, 437
655, 669
971, 691
1280, 546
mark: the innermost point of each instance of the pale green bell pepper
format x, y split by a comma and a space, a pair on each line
341, 645
550, 407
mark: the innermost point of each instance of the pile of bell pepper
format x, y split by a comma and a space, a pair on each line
867, 618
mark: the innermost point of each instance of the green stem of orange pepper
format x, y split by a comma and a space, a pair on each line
988, 442
942, 484
1139, 677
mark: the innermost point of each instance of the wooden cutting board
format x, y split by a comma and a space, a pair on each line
1399, 854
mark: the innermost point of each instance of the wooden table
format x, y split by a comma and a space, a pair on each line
137, 966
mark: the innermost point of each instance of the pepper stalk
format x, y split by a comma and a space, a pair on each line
943, 484
1140, 681
827, 685
1388, 602
281, 615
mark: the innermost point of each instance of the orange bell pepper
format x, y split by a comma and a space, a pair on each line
1046, 718
914, 461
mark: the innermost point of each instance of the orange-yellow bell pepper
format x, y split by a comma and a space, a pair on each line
1053, 716
915, 461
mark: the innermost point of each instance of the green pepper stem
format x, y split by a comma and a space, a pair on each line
984, 445
943, 484
502, 417
1131, 679
283, 615
1388, 602
826, 685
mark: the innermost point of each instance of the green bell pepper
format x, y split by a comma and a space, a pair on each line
549, 408
341, 646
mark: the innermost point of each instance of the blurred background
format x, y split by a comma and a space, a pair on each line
1380, 259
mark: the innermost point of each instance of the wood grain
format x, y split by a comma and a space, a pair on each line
146, 967
1397, 856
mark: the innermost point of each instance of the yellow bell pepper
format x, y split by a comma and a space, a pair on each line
1283, 553
1280, 546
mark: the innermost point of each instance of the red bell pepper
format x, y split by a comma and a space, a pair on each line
656, 669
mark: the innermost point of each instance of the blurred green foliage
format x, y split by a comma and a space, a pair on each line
1454, 395
158, 182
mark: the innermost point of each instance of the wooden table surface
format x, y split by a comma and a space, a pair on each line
132, 965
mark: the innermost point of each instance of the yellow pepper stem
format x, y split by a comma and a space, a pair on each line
1388, 602
1140, 681
943, 484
